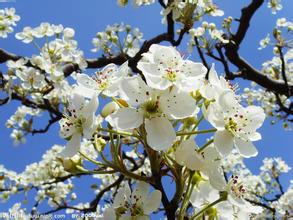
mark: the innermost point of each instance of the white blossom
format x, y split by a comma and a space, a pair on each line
31, 78
235, 125
8, 19
154, 108
139, 203
80, 121
106, 81
208, 162
163, 67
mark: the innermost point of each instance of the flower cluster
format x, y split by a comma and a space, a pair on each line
8, 19
165, 96
136, 2
190, 11
47, 176
267, 100
275, 5
47, 67
118, 38
42, 76
151, 116
281, 33
279, 69
207, 35
158, 109
21, 122
136, 204
263, 188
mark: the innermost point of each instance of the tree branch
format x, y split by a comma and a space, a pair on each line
52, 121
244, 21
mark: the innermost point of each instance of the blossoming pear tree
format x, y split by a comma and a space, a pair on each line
161, 134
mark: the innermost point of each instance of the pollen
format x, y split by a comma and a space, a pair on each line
171, 75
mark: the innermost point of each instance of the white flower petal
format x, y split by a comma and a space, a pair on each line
77, 102
239, 202
193, 70
255, 115
168, 56
203, 194
86, 81
112, 90
245, 148
214, 115
227, 100
87, 93
186, 155
207, 91
213, 76
125, 118
110, 69
134, 90
141, 192
153, 202
255, 136
211, 154
216, 176
121, 196
109, 214
72, 146
160, 133
90, 109
223, 142
153, 76
178, 105
90, 127
66, 129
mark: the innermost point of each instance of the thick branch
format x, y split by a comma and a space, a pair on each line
250, 73
283, 68
5, 56
244, 21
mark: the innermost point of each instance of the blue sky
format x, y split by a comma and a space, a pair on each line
89, 17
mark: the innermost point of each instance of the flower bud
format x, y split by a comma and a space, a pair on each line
212, 26
122, 2
188, 122
69, 164
68, 33
128, 28
196, 178
276, 51
10, 72
109, 108
99, 144
205, 24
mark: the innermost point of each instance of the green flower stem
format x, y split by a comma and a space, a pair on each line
36, 45
196, 125
196, 132
113, 149
206, 145
221, 199
90, 159
114, 167
85, 171
186, 197
123, 133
